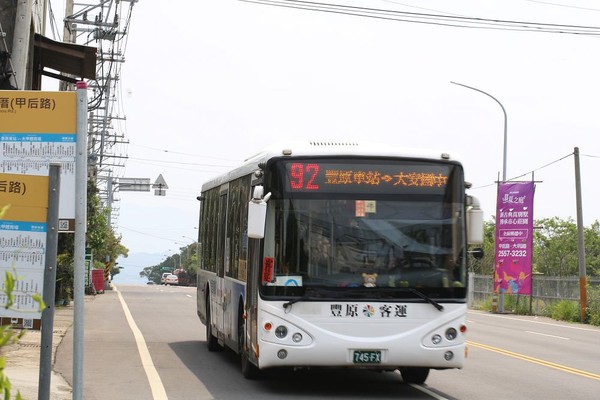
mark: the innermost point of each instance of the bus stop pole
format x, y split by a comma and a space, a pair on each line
80, 229
49, 283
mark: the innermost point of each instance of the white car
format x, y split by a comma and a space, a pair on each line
171, 280
163, 277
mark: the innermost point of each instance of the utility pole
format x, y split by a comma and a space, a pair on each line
67, 37
21, 38
580, 239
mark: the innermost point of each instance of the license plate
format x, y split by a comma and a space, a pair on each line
366, 357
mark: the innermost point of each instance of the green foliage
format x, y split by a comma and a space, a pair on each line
555, 250
566, 310
100, 238
64, 276
8, 335
485, 266
591, 237
516, 304
555, 247
593, 310
186, 259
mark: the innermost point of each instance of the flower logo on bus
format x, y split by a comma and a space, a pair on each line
368, 311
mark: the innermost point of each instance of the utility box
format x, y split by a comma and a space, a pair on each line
98, 280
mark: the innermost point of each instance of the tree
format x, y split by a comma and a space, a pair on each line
100, 239
152, 273
485, 266
592, 248
555, 247
100, 236
184, 261
555, 250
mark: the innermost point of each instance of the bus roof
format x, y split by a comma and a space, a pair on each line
324, 148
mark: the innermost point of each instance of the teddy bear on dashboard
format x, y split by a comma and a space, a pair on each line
369, 280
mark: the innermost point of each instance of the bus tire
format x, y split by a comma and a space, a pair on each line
249, 370
414, 375
211, 340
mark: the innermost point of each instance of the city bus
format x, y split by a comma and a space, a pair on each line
338, 255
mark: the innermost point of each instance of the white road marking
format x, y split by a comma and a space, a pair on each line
545, 334
485, 314
156, 386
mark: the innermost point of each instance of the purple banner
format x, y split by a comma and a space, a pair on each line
514, 238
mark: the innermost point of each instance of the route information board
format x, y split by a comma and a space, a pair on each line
36, 129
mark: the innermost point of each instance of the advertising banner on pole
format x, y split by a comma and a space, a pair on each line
514, 238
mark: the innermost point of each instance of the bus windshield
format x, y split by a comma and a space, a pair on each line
405, 229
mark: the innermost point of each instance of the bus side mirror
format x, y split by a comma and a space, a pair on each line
474, 221
257, 213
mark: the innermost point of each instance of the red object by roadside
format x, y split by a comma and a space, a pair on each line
98, 280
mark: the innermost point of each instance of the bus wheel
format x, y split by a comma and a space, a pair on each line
211, 340
249, 370
414, 375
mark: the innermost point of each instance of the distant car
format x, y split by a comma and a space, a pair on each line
163, 277
171, 280
150, 283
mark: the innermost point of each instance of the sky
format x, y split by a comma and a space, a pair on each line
208, 83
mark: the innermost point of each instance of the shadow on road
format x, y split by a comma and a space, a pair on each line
220, 373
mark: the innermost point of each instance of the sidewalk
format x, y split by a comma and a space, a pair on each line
23, 360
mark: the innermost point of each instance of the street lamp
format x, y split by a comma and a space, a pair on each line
189, 245
501, 296
505, 124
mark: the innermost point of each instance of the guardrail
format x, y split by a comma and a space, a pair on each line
545, 289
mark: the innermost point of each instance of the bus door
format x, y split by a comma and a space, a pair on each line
220, 300
255, 263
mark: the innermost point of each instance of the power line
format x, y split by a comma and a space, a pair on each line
180, 163
180, 153
527, 173
563, 5
433, 19
146, 234
589, 155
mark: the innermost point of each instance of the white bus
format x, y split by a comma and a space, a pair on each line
338, 255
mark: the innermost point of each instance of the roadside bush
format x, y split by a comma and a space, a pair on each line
594, 306
483, 305
565, 310
516, 304
8, 335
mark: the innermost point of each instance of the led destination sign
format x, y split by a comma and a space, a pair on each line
366, 178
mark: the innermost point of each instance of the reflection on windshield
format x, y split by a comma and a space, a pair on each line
368, 243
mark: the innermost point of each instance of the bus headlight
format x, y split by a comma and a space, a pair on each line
297, 337
281, 354
281, 331
448, 355
451, 333
436, 339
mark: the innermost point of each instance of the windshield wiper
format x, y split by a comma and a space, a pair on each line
309, 293
427, 299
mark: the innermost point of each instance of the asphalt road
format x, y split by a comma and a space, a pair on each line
146, 342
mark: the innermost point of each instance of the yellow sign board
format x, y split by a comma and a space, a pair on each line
23, 197
36, 129
38, 112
